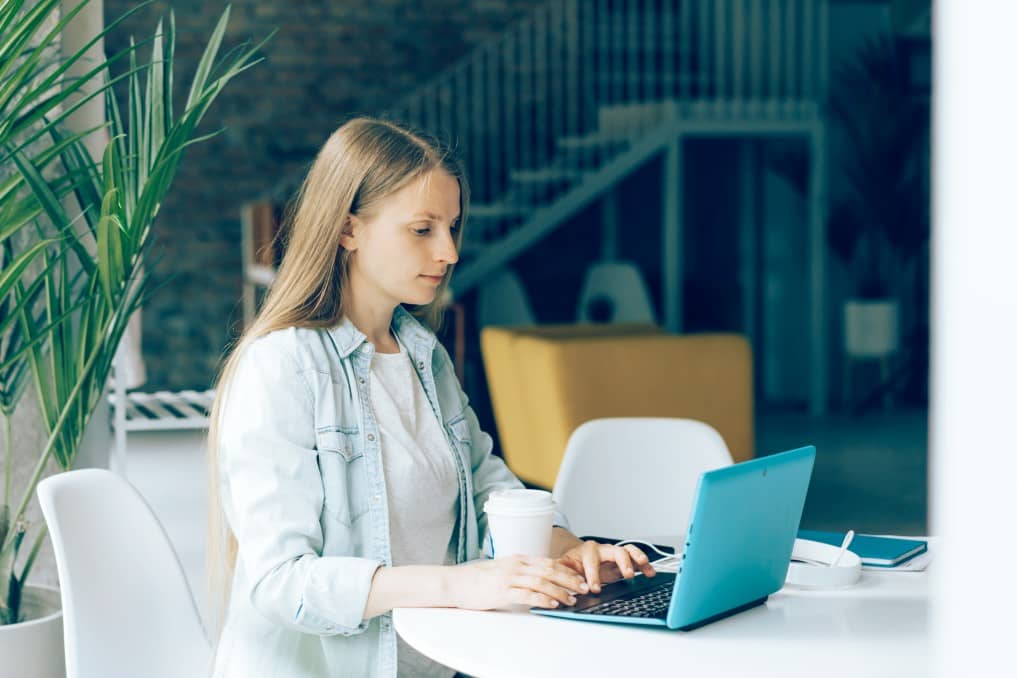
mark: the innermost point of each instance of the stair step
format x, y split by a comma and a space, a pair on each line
495, 210
593, 141
625, 118
546, 175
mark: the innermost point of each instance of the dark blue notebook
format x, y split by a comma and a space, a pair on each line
874, 551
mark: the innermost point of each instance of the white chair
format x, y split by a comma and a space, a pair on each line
615, 290
635, 476
128, 610
502, 301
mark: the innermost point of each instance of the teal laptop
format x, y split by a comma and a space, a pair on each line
740, 536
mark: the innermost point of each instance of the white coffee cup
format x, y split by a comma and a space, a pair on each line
520, 522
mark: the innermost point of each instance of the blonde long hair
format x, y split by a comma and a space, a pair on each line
362, 163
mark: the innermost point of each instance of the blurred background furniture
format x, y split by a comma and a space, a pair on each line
614, 292
128, 610
502, 301
158, 411
261, 250
636, 476
547, 380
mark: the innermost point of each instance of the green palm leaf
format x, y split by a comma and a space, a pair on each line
94, 267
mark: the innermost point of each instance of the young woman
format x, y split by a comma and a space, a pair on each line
348, 472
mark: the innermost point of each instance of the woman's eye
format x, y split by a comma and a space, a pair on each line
422, 231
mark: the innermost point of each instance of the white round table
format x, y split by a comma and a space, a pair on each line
876, 628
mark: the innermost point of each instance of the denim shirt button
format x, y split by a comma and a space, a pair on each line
362, 381
376, 498
421, 364
370, 436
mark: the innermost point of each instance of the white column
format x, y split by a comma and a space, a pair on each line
85, 26
974, 335
128, 365
95, 449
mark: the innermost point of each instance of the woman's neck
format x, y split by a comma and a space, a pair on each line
376, 325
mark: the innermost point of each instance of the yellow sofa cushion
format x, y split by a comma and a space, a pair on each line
545, 382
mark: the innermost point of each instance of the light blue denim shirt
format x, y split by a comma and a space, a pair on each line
303, 490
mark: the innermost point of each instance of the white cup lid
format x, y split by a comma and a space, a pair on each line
519, 501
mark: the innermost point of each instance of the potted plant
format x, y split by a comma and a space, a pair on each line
70, 279
878, 220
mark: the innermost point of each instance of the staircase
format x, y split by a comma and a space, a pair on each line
577, 95
565, 104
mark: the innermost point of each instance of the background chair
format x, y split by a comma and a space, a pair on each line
635, 477
502, 301
546, 381
614, 292
128, 610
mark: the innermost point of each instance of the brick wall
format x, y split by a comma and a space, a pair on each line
328, 61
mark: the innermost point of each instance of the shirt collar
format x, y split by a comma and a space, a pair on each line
410, 331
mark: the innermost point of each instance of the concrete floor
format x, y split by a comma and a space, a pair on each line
871, 472
870, 476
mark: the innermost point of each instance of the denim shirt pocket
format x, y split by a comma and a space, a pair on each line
343, 477
459, 431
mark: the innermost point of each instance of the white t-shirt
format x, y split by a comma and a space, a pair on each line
421, 479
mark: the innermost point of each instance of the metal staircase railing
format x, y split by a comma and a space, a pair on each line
552, 114
577, 83
574, 92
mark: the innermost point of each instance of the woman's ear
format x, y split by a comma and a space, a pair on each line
348, 237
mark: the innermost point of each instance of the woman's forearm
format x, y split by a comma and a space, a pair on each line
431, 585
408, 586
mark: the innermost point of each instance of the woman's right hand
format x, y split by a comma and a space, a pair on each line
514, 580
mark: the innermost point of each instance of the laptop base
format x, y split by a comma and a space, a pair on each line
722, 615
646, 621
602, 618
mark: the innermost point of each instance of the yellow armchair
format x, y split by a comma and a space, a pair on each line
546, 381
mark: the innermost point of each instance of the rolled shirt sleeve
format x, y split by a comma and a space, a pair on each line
272, 497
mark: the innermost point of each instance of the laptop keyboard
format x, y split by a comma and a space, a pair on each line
652, 602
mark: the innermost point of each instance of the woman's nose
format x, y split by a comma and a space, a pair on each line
447, 249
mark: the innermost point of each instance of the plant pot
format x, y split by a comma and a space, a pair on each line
34, 648
870, 328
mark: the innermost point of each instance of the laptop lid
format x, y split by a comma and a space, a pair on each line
740, 536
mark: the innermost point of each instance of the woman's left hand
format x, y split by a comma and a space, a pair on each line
606, 563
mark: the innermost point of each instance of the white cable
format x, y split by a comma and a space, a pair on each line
646, 543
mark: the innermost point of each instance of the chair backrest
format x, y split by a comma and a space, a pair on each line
502, 301
128, 610
544, 386
615, 289
635, 477
524, 446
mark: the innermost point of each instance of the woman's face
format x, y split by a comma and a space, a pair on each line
401, 252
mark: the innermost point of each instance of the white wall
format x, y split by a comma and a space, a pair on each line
974, 329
